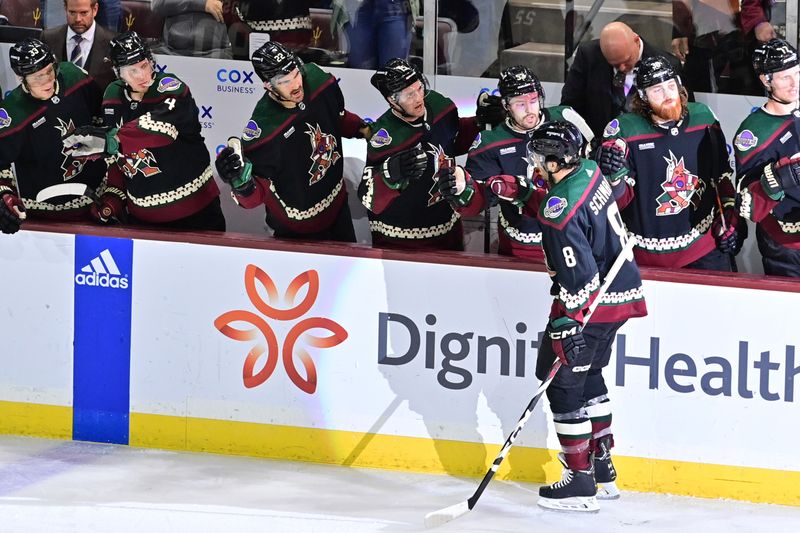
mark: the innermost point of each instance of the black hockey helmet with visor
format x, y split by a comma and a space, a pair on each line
128, 49
395, 76
775, 55
653, 70
519, 80
29, 56
555, 141
273, 60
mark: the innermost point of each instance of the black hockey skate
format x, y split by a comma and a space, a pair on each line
604, 472
575, 492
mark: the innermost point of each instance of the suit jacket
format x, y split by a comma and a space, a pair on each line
589, 89
100, 70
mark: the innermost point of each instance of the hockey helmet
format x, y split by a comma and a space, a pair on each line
128, 49
774, 56
273, 59
652, 71
396, 75
519, 80
557, 141
29, 56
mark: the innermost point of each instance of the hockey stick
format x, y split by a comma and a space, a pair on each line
714, 176
442, 516
77, 189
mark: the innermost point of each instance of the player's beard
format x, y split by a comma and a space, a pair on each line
671, 110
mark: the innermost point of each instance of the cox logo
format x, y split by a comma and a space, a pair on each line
296, 341
235, 76
206, 117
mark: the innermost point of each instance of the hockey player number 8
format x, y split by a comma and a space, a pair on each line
615, 219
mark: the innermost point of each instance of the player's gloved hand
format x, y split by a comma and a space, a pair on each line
781, 176
567, 339
510, 188
611, 157
235, 171
92, 142
490, 111
407, 166
452, 183
726, 234
12, 213
107, 209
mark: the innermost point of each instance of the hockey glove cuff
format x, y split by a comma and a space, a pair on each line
12, 213
402, 168
510, 188
107, 209
725, 230
92, 142
453, 186
235, 171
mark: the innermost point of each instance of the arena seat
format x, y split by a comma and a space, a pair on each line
26, 13
137, 16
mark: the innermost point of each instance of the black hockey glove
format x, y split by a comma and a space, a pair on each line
12, 213
781, 176
567, 339
452, 184
235, 171
611, 157
92, 142
407, 166
728, 231
490, 111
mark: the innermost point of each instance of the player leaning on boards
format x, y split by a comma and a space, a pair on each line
51, 101
412, 145
499, 154
582, 235
767, 148
162, 169
293, 162
669, 168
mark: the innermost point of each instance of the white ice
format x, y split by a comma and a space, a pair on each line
62, 486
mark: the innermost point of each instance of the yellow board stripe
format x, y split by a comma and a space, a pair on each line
452, 457
36, 420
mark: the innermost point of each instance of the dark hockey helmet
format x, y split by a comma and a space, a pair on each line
556, 140
774, 56
128, 49
652, 71
29, 56
274, 59
396, 75
518, 80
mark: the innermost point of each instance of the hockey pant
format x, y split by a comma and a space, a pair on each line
778, 260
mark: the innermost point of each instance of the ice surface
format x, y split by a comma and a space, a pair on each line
61, 486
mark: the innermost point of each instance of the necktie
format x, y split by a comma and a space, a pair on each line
76, 56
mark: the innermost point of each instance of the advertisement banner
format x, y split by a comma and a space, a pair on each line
103, 286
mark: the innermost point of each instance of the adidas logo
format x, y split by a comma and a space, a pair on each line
102, 271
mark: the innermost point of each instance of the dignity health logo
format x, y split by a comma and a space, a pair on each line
294, 345
102, 271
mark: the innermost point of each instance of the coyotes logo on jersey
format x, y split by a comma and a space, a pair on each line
681, 188
323, 153
440, 160
71, 166
142, 161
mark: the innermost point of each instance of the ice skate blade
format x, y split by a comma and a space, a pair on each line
578, 504
608, 491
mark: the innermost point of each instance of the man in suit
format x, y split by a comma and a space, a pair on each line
599, 82
82, 41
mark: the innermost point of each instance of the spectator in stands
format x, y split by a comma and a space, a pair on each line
82, 41
194, 28
599, 82
287, 22
377, 30
707, 38
755, 20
